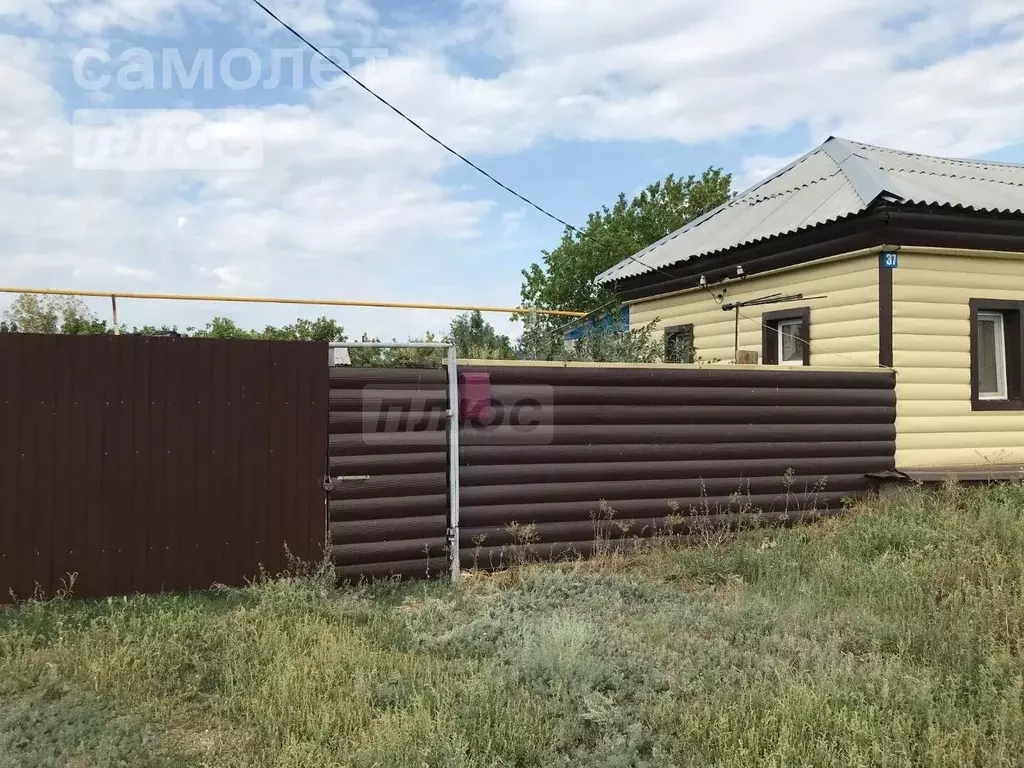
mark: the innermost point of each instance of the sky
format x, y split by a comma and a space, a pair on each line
264, 175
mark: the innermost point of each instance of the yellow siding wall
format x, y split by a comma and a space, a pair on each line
844, 324
931, 351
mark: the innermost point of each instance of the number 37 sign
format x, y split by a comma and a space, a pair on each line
890, 260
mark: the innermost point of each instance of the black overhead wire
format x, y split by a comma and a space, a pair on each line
440, 143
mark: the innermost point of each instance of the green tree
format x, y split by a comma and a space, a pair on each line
566, 278
30, 313
221, 328
322, 329
541, 341
475, 338
391, 357
152, 330
79, 325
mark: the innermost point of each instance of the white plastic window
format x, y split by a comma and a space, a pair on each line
790, 350
991, 356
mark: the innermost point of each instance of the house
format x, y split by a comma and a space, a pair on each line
860, 256
615, 320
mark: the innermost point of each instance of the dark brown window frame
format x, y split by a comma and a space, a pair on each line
885, 353
1013, 333
678, 329
770, 333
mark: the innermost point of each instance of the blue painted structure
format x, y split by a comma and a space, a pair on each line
614, 321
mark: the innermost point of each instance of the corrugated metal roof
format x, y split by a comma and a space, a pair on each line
839, 178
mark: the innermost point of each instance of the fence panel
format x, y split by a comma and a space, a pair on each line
569, 456
388, 510
572, 456
157, 464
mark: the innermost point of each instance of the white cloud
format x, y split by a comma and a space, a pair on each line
96, 17
685, 71
335, 210
758, 167
350, 200
93, 17
36, 12
317, 17
230, 277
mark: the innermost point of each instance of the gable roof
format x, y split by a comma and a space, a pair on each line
837, 179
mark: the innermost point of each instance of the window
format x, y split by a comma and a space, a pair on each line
789, 352
786, 337
997, 378
991, 356
679, 344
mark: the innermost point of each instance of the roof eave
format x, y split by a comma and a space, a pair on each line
880, 224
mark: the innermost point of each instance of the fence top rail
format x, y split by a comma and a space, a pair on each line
791, 369
383, 345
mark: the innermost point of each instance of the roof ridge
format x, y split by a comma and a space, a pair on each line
771, 177
956, 176
790, 190
868, 180
940, 158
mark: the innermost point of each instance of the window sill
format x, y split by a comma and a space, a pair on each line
997, 405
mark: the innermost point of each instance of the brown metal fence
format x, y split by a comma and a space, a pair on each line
388, 510
144, 465
150, 464
569, 455
632, 452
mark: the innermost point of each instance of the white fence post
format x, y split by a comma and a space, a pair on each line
453, 462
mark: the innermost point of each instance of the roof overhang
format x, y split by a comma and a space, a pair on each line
885, 223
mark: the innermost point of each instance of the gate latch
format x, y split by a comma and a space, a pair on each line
329, 482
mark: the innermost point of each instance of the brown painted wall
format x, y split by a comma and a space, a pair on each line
150, 464
562, 440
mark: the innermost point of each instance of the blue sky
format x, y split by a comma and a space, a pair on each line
569, 101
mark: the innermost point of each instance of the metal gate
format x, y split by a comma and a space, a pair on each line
393, 467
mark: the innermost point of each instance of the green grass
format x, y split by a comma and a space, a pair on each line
893, 637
